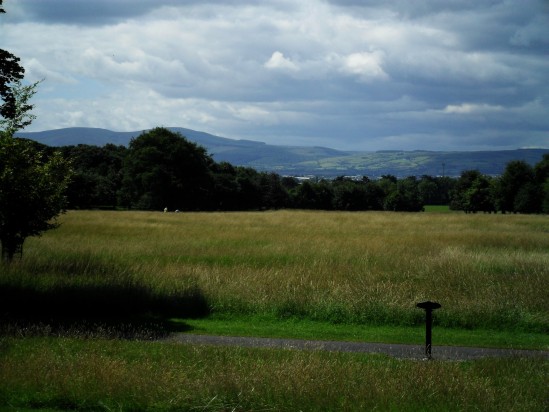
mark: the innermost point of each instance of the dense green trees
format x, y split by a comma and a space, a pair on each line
520, 189
472, 193
313, 195
515, 187
97, 175
31, 192
348, 194
406, 197
541, 171
163, 169
10, 72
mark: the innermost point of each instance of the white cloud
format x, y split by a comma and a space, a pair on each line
468, 108
366, 65
278, 61
36, 70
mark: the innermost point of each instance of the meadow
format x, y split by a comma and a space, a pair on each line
108, 274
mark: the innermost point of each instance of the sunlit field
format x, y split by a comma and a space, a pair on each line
489, 272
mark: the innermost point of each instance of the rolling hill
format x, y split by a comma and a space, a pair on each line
305, 161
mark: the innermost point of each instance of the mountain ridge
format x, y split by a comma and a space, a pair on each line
309, 160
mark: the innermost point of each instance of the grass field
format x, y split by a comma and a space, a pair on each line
77, 374
129, 272
439, 209
488, 271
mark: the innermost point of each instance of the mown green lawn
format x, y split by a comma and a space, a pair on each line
314, 330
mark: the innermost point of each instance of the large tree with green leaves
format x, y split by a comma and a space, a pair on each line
472, 192
164, 169
32, 184
97, 175
516, 191
541, 171
31, 192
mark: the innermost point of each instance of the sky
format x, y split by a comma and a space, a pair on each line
359, 75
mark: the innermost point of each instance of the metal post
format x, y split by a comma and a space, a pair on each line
428, 332
429, 307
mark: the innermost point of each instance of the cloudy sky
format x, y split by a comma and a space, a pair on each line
346, 74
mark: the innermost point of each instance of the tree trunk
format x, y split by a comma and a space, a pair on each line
11, 246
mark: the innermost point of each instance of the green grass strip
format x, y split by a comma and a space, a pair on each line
263, 326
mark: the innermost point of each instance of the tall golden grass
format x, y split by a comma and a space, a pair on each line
367, 267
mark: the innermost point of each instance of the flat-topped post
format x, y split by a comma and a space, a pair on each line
428, 306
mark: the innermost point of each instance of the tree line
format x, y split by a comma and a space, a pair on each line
162, 169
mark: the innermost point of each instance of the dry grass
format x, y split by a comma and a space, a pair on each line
486, 270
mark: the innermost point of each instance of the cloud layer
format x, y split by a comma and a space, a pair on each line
357, 75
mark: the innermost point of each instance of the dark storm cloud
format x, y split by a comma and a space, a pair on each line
98, 12
92, 12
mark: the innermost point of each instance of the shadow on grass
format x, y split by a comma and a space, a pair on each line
129, 312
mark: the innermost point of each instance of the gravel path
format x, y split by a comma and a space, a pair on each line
395, 350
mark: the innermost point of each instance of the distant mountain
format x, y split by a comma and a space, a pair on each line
314, 161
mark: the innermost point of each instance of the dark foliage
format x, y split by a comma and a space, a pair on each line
10, 71
32, 188
97, 175
163, 169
